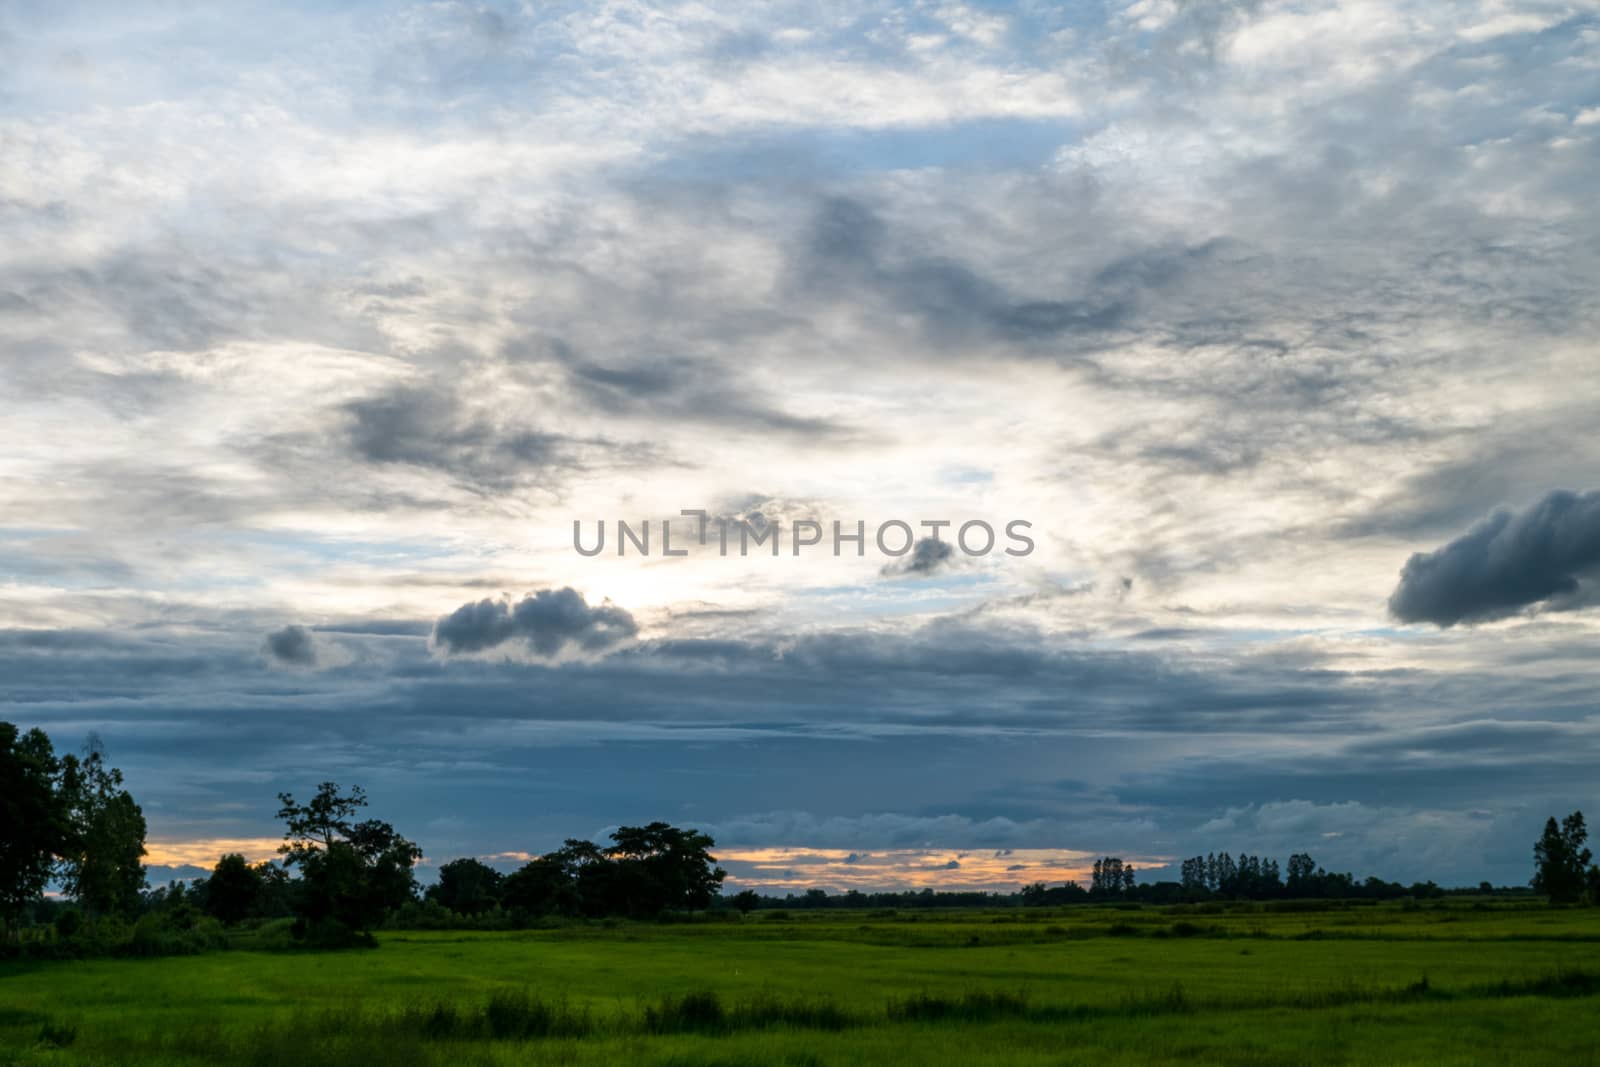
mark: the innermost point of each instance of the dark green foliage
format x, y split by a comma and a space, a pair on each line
646, 871
34, 823
57, 1035
351, 873
1561, 859
972, 1006
101, 867
467, 886
234, 890
691, 1013
68, 923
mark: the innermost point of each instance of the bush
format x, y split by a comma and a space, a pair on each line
977, 1006
69, 922
690, 1013
57, 1035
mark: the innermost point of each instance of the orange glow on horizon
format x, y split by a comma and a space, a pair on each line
206, 851
995, 870
777, 868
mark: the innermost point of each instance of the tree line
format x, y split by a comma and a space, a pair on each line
70, 821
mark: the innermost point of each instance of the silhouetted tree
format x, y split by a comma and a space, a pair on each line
746, 899
664, 867
351, 873
1110, 877
33, 820
467, 886
101, 867
234, 889
1560, 859
541, 886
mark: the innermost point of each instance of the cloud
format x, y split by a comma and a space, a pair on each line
1505, 564
549, 623
292, 646
427, 426
926, 556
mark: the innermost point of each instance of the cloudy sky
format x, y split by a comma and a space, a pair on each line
320, 326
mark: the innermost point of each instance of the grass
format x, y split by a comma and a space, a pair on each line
1456, 983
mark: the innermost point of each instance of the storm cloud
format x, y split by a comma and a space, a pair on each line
549, 623
1505, 564
292, 646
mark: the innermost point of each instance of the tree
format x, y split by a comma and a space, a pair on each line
540, 887
101, 866
467, 886
234, 889
1560, 859
1110, 877
665, 867
351, 873
33, 820
325, 819
746, 900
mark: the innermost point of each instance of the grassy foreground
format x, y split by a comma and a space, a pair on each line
1455, 983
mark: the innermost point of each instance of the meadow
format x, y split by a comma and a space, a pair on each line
1451, 982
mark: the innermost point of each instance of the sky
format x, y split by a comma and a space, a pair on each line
321, 325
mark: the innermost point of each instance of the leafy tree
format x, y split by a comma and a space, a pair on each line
101, 866
1110, 877
277, 891
351, 872
33, 821
541, 886
1560, 859
746, 900
666, 867
467, 886
234, 889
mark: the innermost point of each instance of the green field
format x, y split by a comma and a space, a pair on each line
1456, 983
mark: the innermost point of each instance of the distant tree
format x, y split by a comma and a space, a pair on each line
659, 867
234, 890
102, 866
1560, 859
33, 820
277, 891
351, 873
328, 817
541, 886
746, 899
467, 886
1110, 877
1302, 875
1271, 881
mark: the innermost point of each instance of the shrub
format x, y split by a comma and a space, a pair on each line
69, 922
690, 1013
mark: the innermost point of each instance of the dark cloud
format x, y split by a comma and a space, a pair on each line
851, 252
549, 622
687, 390
926, 556
1504, 564
292, 646
429, 427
